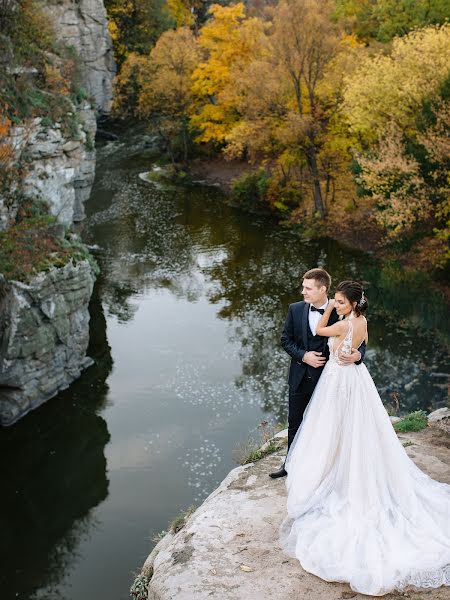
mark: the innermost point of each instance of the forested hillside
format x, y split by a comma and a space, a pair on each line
338, 111
341, 107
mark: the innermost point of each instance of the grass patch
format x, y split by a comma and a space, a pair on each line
139, 589
258, 453
415, 421
180, 520
30, 246
281, 427
159, 536
253, 450
89, 144
79, 94
407, 444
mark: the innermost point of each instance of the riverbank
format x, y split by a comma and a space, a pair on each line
229, 546
409, 296
219, 172
358, 230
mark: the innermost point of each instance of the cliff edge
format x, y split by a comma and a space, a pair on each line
229, 549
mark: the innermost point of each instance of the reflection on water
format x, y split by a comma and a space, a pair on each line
53, 474
194, 246
190, 304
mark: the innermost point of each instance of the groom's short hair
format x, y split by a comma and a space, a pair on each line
320, 276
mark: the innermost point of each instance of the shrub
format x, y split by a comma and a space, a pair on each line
258, 453
42, 75
415, 421
249, 191
30, 246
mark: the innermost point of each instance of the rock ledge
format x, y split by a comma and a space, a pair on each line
44, 335
228, 548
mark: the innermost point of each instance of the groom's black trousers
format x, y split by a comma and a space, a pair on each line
298, 401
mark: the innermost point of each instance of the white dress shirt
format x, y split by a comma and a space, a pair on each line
314, 317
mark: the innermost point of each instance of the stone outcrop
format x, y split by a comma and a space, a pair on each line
83, 25
440, 418
44, 325
44, 334
228, 548
60, 169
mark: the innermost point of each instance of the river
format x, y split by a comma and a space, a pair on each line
185, 325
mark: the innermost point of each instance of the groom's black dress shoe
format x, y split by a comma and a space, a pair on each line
280, 473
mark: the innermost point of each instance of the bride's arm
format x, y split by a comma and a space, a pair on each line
323, 329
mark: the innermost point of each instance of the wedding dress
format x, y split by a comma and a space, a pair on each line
359, 509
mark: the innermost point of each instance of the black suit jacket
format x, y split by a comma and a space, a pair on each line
294, 340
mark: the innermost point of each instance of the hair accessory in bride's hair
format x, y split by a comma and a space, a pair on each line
362, 301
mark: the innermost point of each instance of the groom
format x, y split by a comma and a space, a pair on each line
308, 351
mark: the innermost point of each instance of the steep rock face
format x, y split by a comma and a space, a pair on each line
229, 547
44, 335
61, 169
44, 325
83, 24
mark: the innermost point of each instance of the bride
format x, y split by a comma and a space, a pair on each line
359, 509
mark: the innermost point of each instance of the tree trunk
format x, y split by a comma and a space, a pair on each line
314, 170
185, 143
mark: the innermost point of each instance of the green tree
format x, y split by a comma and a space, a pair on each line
135, 25
385, 19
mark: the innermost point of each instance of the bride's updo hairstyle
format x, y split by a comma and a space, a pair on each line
354, 292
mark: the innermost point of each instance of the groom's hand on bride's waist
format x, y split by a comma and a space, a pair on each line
314, 359
349, 359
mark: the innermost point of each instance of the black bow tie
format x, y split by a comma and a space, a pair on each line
321, 310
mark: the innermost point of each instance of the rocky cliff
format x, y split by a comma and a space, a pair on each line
83, 25
229, 548
60, 163
44, 334
44, 323
61, 168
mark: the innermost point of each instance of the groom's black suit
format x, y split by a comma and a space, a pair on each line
296, 339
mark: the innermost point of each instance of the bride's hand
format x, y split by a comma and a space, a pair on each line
331, 303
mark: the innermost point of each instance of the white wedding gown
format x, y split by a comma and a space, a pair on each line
359, 509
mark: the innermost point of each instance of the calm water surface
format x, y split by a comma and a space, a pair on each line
186, 319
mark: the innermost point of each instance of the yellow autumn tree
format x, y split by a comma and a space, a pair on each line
285, 105
392, 87
127, 85
229, 38
409, 180
165, 86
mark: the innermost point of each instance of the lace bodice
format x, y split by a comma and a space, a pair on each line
345, 345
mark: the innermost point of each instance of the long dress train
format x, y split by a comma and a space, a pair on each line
359, 509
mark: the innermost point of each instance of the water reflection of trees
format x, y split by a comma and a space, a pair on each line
192, 244
53, 474
257, 284
143, 247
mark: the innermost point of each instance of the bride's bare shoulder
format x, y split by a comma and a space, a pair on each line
341, 326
